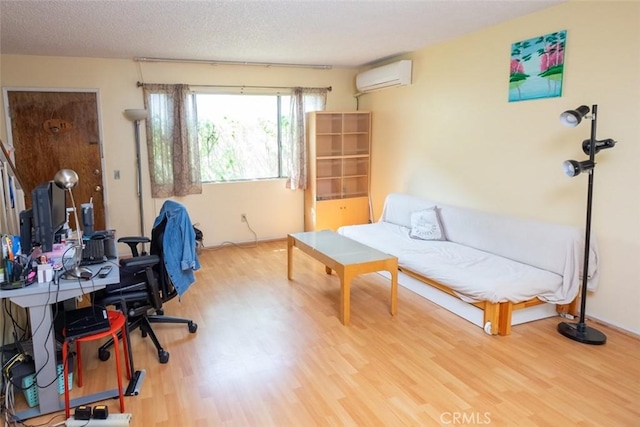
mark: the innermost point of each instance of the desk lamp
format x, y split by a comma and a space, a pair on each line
67, 179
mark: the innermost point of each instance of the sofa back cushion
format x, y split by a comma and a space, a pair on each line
541, 244
398, 208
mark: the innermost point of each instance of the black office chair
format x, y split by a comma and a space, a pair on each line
143, 289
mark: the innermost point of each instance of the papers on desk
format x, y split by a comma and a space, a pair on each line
61, 253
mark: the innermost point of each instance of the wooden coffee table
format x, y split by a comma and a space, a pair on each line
347, 258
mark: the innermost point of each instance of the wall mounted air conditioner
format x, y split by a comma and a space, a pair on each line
394, 74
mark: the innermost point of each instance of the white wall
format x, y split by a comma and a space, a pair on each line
453, 136
272, 210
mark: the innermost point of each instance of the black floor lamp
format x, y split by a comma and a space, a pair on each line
580, 331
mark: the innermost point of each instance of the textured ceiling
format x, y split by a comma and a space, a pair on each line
336, 33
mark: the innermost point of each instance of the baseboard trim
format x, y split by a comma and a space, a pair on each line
615, 327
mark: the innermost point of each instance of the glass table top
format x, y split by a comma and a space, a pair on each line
340, 248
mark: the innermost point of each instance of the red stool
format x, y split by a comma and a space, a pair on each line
118, 324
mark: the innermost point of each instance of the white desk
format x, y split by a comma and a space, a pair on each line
38, 298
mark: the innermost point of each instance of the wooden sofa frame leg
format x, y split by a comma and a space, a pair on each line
506, 310
499, 314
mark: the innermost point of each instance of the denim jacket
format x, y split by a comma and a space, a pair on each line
179, 245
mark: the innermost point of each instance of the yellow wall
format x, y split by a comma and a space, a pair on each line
453, 136
272, 210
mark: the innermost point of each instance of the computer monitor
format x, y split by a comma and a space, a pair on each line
58, 206
47, 217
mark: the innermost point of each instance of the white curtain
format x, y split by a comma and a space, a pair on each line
303, 100
172, 140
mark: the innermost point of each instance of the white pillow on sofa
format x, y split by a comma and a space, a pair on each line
426, 225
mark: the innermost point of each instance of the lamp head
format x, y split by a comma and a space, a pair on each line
572, 118
573, 168
599, 145
66, 179
136, 114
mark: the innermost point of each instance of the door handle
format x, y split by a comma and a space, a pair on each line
96, 172
98, 188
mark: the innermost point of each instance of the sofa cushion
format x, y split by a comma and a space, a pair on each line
426, 225
554, 247
474, 275
398, 207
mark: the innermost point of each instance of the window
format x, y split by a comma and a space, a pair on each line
240, 136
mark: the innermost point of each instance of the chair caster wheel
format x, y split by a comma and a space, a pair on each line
104, 355
163, 355
193, 327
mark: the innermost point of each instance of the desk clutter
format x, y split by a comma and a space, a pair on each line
18, 269
99, 246
51, 309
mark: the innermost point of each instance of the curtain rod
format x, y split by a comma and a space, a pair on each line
214, 62
329, 88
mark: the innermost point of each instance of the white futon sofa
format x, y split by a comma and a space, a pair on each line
494, 270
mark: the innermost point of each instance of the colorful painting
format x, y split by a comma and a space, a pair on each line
537, 67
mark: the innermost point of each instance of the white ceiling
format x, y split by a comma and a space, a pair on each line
348, 33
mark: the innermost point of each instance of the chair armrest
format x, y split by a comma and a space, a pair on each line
128, 288
140, 262
117, 298
133, 242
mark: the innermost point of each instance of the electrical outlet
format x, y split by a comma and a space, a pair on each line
243, 217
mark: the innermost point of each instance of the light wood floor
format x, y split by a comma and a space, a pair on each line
269, 352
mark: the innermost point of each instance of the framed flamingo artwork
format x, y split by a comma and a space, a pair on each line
537, 67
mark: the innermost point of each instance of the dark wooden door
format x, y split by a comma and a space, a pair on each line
57, 130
